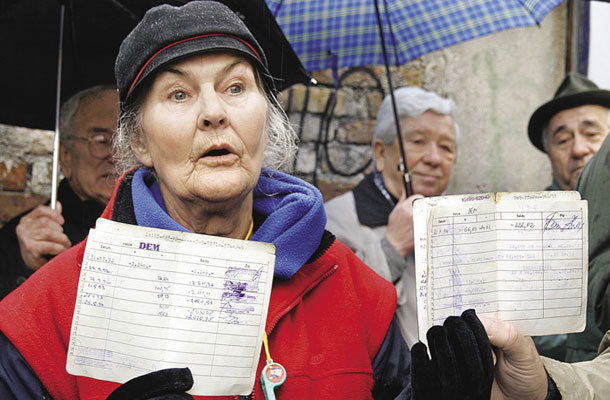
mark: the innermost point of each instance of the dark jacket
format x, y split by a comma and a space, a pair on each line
594, 186
79, 217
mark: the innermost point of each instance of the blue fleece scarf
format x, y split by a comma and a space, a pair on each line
295, 215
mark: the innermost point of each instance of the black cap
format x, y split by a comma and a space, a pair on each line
167, 34
575, 91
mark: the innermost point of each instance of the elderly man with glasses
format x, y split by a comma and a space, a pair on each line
87, 124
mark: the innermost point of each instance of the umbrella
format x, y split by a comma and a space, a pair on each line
55, 48
346, 33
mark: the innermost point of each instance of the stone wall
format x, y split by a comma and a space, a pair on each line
497, 82
25, 169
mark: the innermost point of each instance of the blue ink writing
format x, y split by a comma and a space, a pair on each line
149, 246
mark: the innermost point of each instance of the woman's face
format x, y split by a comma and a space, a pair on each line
203, 129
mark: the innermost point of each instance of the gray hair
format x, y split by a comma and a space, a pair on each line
68, 110
410, 102
282, 140
545, 131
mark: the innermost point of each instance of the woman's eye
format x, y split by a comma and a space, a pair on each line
179, 95
235, 89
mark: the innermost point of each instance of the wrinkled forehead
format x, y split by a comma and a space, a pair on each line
224, 63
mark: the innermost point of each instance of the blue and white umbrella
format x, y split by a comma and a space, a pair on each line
346, 33
348, 29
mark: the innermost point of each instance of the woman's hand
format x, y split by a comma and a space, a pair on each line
461, 366
165, 384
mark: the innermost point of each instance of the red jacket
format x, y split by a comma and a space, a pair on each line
325, 325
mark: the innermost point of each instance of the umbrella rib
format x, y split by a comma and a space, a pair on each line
391, 32
126, 10
528, 8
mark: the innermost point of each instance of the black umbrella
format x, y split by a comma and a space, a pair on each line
81, 38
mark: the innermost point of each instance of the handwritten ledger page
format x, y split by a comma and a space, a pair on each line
520, 257
150, 299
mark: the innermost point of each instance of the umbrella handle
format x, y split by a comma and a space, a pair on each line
55, 171
406, 178
408, 184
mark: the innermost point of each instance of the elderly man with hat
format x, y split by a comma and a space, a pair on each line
571, 128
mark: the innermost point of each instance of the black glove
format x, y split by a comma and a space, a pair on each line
165, 384
461, 366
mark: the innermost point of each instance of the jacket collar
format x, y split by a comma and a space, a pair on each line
372, 207
86, 212
293, 211
554, 186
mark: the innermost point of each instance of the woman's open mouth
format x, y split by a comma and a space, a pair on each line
218, 156
216, 153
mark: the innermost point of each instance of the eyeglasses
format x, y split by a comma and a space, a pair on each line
100, 146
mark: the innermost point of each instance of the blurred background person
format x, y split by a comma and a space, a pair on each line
570, 128
88, 122
375, 219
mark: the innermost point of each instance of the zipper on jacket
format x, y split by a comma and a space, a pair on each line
290, 306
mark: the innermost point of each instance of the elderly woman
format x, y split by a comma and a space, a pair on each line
199, 128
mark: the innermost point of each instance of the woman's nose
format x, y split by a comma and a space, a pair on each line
212, 113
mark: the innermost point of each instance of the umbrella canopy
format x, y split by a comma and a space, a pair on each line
93, 32
320, 30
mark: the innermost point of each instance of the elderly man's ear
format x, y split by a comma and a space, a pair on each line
65, 160
379, 149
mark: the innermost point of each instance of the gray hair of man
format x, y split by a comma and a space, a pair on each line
69, 109
282, 140
545, 133
411, 102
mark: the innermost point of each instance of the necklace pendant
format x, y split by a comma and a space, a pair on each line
272, 376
